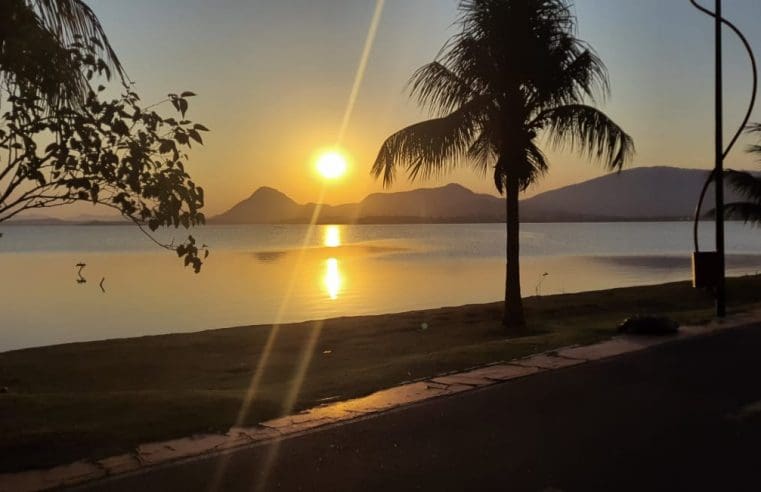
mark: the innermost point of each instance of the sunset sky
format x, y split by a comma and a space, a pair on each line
274, 78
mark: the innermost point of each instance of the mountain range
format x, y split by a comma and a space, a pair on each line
643, 193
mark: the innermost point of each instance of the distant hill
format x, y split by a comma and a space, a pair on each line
81, 219
449, 203
36, 220
653, 193
640, 193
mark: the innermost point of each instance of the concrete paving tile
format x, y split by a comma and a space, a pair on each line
611, 348
74, 473
466, 378
256, 434
504, 372
394, 397
308, 419
233, 442
544, 361
119, 464
57, 477
332, 411
287, 425
161, 452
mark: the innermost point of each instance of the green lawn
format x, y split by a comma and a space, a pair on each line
96, 399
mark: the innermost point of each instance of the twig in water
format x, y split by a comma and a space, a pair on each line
81, 279
538, 288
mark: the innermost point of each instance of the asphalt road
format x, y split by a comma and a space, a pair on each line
676, 417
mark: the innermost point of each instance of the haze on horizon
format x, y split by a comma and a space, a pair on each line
274, 78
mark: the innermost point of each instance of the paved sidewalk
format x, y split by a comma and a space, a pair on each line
152, 456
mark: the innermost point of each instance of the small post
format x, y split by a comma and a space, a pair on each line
721, 308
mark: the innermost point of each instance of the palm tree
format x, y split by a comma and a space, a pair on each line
515, 73
748, 186
38, 46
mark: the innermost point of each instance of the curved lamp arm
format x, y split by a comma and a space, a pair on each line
744, 124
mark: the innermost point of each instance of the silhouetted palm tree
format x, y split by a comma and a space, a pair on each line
36, 41
514, 74
748, 186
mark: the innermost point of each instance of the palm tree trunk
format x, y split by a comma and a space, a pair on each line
513, 319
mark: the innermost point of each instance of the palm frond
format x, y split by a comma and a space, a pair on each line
755, 148
72, 20
38, 48
588, 131
427, 149
537, 162
33, 59
482, 154
745, 184
438, 88
583, 76
748, 212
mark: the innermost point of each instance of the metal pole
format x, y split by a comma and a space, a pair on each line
721, 308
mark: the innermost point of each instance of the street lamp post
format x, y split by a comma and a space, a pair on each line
721, 304
709, 267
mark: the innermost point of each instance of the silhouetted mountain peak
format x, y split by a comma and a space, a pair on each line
455, 187
267, 192
642, 192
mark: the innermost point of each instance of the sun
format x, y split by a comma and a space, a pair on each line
332, 164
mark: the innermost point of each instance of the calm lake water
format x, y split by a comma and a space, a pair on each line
267, 274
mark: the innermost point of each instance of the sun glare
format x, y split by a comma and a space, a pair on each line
332, 164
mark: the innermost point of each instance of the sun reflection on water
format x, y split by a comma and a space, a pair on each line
332, 279
332, 237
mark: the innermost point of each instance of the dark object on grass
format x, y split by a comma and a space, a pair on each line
641, 324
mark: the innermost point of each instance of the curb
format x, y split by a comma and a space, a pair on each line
155, 455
